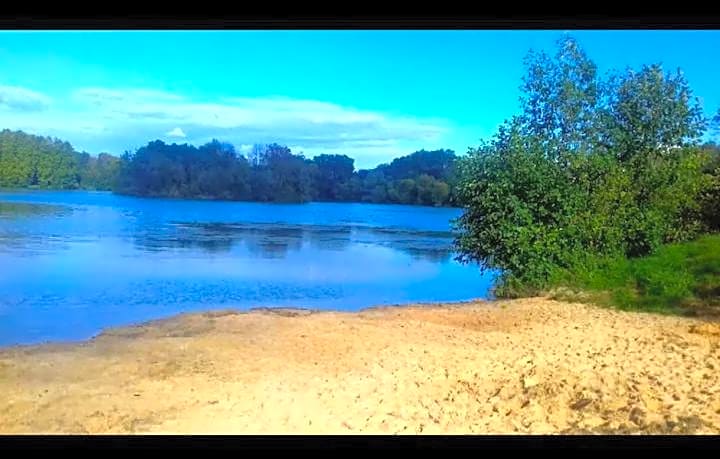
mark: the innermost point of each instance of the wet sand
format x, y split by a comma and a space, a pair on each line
522, 366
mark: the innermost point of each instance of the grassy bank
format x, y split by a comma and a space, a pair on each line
678, 278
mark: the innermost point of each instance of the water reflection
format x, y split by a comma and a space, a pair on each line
277, 240
15, 237
72, 263
21, 209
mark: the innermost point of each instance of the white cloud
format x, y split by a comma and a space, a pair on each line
177, 132
22, 99
102, 96
101, 119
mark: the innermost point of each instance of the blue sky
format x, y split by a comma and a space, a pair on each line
373, 95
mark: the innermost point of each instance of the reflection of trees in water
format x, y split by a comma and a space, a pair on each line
25, 209
269, 242
218, 238
19, 238
276, 240
438, 255
433, 246
329, 237
8, 239
154, 243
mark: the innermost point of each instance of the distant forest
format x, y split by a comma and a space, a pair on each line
269, 173
29, 161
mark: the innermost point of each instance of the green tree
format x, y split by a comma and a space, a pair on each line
710, 201
440, 193
589, 169
98, 173
334, 173
33, 161
216, 171
651, 110
560, 97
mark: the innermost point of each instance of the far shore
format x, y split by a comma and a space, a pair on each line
214, 199
523, 366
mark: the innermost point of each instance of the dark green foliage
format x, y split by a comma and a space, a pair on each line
430, 191
333, 174
212, 171
710, 202
291, 176
215, 171
275, 174
519, 208
590, 169
437, 164
424, 178
98, 172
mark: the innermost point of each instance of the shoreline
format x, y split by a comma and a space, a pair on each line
285, 311
495, 366
201, 199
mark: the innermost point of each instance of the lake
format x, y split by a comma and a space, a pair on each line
73, 263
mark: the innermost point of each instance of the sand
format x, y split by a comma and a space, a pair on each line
522, 366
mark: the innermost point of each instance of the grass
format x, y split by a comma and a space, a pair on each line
676, 279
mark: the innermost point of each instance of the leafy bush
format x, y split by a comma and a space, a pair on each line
591, 170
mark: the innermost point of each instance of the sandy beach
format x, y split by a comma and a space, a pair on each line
521, 366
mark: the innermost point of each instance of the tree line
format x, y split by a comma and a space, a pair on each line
272, 173
215, 170
593, 167
30, 161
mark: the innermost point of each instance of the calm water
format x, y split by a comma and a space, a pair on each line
73, 263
